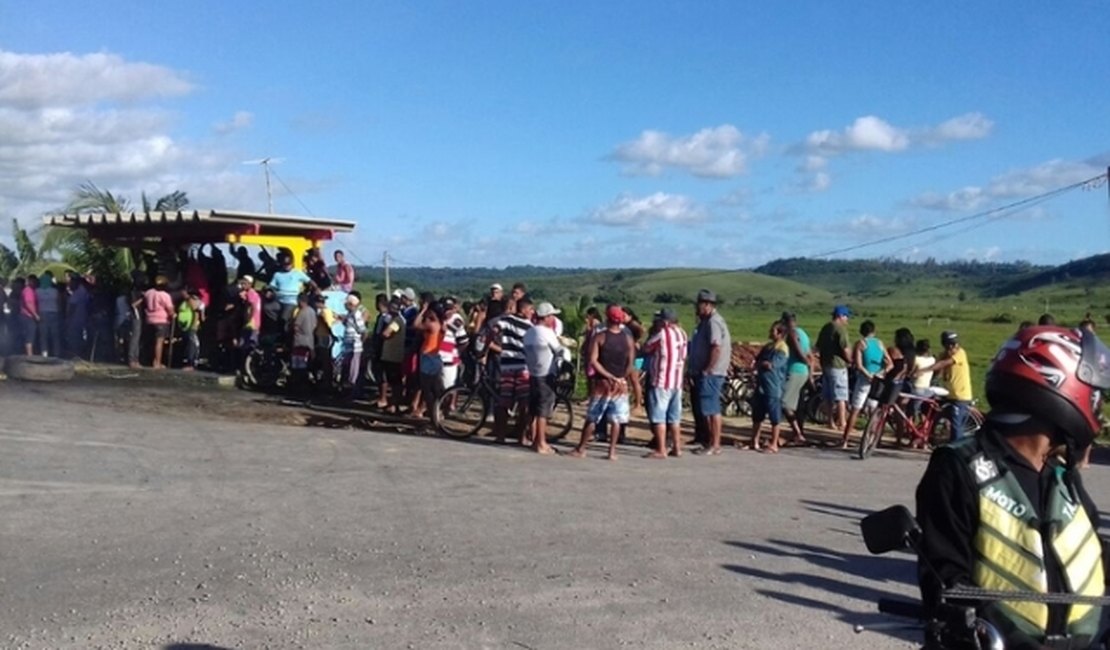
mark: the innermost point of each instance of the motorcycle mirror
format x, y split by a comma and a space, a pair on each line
888, 530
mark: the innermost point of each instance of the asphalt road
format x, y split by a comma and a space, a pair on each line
161, 527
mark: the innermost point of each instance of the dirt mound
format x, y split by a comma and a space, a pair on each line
744, 354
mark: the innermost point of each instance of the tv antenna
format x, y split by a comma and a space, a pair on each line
266, 162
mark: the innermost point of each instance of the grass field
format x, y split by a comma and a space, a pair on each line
750, 302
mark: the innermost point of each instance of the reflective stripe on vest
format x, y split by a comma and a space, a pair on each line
1010, 549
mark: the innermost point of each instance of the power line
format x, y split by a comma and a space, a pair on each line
1008, 208
307, 209
294, 194
992, 219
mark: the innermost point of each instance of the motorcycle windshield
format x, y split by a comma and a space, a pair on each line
1094, 362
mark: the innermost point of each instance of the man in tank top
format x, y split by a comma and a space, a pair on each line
611, 355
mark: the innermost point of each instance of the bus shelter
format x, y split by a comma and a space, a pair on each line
184, 227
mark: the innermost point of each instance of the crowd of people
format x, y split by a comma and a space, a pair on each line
416, 346
191, 295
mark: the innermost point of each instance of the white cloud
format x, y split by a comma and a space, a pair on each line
811, 175
871, 133
549, 227
740, 197
813, 163
1017, 184
437, 231
241, 120
961, 200
30, 81
1042, 178
969, 126
641, 212
870, 224
868, 133
66, 119
718, 152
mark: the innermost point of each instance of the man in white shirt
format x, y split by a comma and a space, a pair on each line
542, 354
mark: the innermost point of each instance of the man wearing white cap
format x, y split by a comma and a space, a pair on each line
542, 354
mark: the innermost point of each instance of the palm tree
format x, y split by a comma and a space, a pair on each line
111, 265
26, 256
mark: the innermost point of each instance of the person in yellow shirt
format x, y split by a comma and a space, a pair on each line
957, 377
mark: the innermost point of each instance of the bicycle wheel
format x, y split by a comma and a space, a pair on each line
872, 432
815, 409
561, 421
744, 400
941, 433
729, 400
942, 426
264, 370
975, 420
459, 413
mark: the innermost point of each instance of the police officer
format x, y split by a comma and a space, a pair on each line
1006, 510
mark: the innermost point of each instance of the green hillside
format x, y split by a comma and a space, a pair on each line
733, 287
1089, 272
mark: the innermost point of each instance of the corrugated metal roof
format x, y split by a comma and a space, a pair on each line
261, 220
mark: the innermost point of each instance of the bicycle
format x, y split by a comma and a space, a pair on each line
926, 424
812, 402
463, 410
266, 365
737, 391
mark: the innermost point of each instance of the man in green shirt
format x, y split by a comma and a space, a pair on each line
832, 346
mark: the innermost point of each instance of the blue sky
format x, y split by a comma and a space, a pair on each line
720, 134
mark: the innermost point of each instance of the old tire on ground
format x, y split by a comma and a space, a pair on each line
27, 368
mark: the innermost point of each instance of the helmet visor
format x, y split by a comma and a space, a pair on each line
1094, 362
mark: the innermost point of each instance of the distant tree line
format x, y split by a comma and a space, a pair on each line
795, 266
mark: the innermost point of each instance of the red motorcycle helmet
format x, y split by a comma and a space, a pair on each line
1055, 374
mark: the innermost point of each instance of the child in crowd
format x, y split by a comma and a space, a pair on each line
190, 315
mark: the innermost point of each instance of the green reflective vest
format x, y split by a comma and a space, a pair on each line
1010, 544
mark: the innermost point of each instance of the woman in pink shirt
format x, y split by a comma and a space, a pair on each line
158, 309
29, 314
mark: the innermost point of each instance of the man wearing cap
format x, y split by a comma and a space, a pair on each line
708, 364
514, 385
957, 378
833, 348
288, 283
797, 369
612, 353
667, 350
542, 353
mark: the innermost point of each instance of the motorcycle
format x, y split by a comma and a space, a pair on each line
955, 624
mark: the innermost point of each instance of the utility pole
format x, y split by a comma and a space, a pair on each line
269, 193
385, 265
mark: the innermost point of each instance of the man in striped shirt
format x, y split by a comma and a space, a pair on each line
667, 350
455, 340
514, 386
